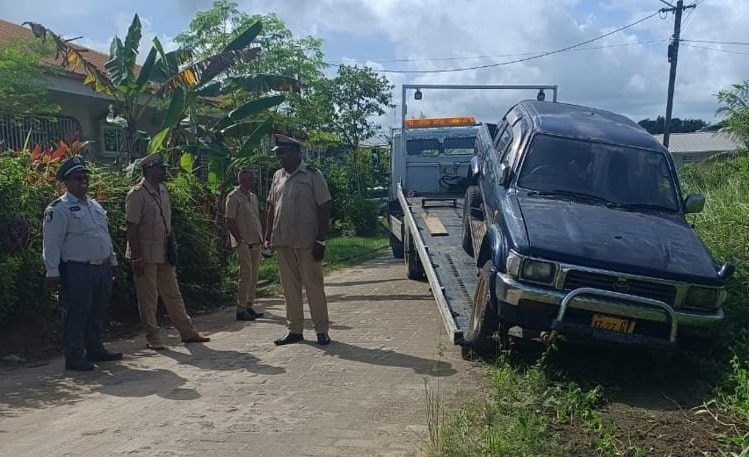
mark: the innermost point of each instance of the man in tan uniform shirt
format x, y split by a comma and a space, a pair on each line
298, 223
148, 211
246, 234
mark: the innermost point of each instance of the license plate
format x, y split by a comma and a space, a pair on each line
613, 324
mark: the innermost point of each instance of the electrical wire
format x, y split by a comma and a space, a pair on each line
524, 59
438, 59
734, 43
727, 51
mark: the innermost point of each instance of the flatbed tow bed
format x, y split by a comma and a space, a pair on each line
451, 273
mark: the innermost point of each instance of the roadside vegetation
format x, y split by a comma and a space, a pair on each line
218, 98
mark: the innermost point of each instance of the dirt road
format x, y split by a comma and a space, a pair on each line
364, 395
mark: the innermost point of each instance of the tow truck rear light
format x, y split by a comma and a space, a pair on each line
441, 121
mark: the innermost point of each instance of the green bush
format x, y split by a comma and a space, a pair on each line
24, 193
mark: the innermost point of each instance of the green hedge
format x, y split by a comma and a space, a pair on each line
25, 192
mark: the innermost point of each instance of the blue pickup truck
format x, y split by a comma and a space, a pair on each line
572, 222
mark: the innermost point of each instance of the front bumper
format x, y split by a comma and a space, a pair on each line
565, 312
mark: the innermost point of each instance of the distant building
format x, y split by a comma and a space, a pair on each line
697, 146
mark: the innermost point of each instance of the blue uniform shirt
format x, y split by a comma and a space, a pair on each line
75, 230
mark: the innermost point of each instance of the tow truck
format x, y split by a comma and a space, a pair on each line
558, 220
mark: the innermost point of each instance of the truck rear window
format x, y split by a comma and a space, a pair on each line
459, 146
423, 147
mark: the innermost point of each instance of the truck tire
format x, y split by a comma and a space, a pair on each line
471, 202
396, 246
478, 339
414, 270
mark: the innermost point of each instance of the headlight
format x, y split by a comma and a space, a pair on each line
539, 271
701, 297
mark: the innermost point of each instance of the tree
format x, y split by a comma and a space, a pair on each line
356, 96
735, 110
21, 69
656, 127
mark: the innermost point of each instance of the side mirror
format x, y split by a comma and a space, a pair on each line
504, 174
694, 203
726, 270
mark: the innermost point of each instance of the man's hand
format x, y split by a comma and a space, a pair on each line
318, 252
52, 282
139, 269
115, 272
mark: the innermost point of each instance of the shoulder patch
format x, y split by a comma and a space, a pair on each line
49, 215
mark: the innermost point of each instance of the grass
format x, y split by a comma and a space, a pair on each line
340, 252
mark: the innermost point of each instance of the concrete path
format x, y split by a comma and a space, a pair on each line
239, 395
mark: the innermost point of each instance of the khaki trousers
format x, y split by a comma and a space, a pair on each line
297, 268
160, 279
249, 267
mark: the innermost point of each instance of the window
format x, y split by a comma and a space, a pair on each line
111, 139
459, 146
423, 147
618, 175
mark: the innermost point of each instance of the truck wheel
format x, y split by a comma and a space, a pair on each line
414, 269
396, 246
471, 202
484, 321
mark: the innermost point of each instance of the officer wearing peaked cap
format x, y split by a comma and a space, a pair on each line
298, 223
148, 212
79, 259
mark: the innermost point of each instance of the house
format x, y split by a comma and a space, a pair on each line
697, 146
83, 111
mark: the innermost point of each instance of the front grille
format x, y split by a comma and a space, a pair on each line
576, 279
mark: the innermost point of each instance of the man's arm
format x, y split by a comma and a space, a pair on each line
54, 228
323, 217
231, 224
269, 222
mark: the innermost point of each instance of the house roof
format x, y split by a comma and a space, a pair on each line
10, 32
700, 142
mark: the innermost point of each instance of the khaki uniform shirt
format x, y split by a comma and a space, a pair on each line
142, 208
295, 198
244, 210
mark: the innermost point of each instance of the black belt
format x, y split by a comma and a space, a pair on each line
87, 262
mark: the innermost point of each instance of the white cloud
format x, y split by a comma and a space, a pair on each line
629, 79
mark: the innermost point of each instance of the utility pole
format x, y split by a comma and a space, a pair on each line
673, 56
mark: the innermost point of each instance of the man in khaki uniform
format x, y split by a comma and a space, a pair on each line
148, 211
246, 233
298, 223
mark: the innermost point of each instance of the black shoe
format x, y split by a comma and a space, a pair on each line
323, 339
104, 356
254, 313
289, 338
79, 365
245, 315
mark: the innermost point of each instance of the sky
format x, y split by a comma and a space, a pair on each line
626, 72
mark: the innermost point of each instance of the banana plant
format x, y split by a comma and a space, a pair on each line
174, 74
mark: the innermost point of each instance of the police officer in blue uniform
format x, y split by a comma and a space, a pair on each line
80, 261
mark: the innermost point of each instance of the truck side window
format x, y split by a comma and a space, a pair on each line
503, 139
510, 155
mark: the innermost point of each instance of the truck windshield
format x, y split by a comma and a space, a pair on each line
459, 146
423, 147
618, 175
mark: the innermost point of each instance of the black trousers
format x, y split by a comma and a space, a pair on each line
85, 291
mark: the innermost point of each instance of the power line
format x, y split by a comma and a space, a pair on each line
727, 51
735, 43
525, 59
437, 59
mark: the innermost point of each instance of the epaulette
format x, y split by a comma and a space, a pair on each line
55, 202
312, 169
